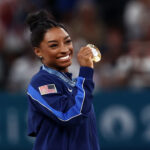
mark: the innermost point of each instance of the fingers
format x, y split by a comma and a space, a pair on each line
85, 48
85, 57
86, 51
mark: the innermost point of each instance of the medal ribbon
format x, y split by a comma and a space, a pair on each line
60, 75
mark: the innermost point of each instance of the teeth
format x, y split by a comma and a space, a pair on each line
66, 57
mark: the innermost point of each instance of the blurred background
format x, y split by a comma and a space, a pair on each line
120, 29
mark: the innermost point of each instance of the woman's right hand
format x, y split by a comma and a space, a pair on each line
85, 56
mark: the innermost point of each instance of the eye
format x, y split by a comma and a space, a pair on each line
53, 45
68, 41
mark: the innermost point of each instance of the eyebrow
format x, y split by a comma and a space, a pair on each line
56, 40
66, 37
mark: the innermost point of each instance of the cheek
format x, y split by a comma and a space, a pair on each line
72, 52
71, 48
49, 56
49, 59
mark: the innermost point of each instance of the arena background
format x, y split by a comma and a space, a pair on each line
120, 29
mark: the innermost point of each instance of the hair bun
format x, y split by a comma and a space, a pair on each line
36, 18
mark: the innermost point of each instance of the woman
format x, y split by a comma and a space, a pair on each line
61, 115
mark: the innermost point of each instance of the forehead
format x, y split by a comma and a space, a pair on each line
55, 33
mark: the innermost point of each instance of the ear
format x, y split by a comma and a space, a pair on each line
37, 52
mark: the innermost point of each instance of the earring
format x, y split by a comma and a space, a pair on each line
40, 57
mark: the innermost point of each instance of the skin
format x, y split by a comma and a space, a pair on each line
56, 50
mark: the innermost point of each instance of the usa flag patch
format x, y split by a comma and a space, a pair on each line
47, 89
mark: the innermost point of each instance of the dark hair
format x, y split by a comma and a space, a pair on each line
39, 22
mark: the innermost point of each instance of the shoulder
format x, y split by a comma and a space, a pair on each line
44, 78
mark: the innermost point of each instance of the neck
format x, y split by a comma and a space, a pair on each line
58, 68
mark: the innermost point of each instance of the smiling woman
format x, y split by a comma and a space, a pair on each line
61, 114
56, 49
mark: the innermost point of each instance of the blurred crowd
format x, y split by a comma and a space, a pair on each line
120, 29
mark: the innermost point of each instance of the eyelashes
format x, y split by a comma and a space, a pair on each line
56, 45
53, 45
69, 41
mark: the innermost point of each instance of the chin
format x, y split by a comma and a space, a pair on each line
65, 66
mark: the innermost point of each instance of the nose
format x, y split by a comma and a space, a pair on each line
64, 49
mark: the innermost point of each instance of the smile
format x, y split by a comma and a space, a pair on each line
63, 58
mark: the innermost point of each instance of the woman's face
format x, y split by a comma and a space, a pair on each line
56, 49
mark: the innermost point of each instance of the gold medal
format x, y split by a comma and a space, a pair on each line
96, 53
